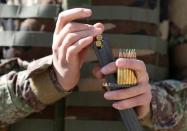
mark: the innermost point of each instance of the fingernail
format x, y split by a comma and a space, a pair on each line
104, 70
99, 30
116, 106
88, 11
120, 62
107, 95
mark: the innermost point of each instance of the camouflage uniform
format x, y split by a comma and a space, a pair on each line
22, 88
21, 94
168, 106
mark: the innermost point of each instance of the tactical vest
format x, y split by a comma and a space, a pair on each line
129, 24
28, 28
177, 15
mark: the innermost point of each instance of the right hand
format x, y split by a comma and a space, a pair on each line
139, 96
70, 42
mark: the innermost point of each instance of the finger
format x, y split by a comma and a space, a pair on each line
76, 48
83, 55
127, 93
72, 38
70, 28
143, 111
70, 15
109, 68
97, 72
99, 25
76, 36
140, 100
136, 65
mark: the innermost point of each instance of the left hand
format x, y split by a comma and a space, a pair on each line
70, 43
139, 96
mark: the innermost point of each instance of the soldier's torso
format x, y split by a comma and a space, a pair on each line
130, 24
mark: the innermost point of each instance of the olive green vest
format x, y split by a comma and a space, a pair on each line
129, 24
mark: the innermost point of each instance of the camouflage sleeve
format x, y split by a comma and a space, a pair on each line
27, 91
168, 105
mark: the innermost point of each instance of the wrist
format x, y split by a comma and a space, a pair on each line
58, 80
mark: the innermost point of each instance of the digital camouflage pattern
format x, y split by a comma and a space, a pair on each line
168, 105
19, 97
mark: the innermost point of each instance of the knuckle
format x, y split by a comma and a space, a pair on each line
61, 15
138, 101
81, 41
64, 47
139, 90
69, 26
150, 97
54, 48
131, 63
142, 65
70, 38
144, 79
143, 88
70, 52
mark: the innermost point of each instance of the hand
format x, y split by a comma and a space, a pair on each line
139, 96
70, 42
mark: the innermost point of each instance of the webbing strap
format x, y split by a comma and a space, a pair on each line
26, 38
33, 11
125, 13
93, 99
137, 42
44, 39
72, 3
93, 125
59, 123
155, 72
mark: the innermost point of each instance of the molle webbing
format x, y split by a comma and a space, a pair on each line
95, 107
156, 72
137, 42
26, 38
120, 15
51, 119
136, 3
33, 11
131, 27
124, 13
33, 38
